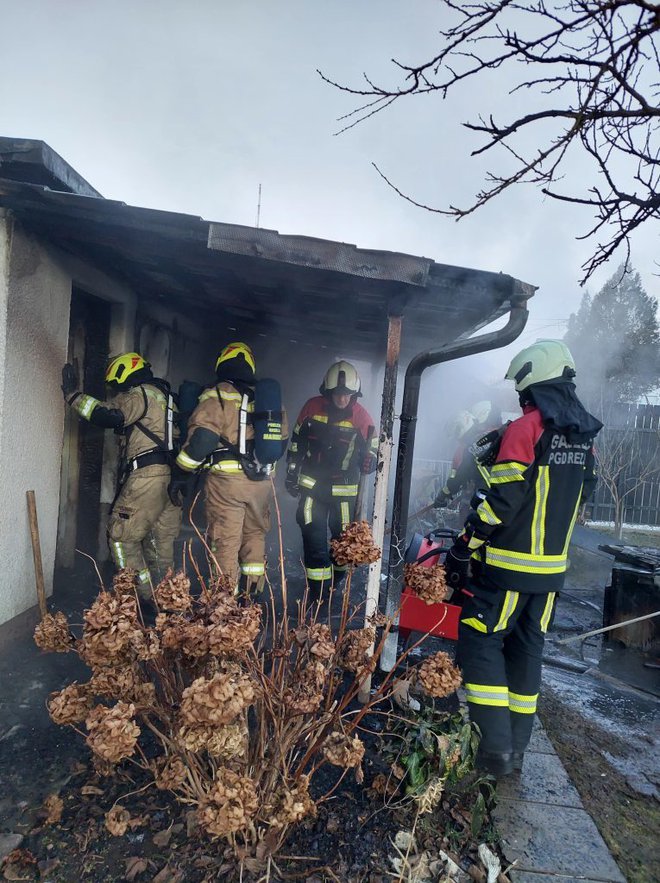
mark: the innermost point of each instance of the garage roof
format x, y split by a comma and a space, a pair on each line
312, 291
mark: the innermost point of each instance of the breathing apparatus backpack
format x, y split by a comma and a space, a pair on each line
259, 455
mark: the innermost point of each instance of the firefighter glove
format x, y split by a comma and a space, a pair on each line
177, 489
457, 563
291, 485
368, 464
69, 380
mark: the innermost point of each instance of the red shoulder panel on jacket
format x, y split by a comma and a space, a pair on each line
521, 437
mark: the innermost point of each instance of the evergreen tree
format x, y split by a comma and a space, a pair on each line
615, 340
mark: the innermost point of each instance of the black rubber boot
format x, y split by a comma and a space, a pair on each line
497, 763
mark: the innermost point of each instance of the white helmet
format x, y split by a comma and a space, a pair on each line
342, 378
543, 360
481, 411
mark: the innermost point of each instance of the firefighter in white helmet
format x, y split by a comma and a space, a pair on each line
332, 444
516, 542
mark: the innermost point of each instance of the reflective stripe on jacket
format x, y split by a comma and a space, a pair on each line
523, 528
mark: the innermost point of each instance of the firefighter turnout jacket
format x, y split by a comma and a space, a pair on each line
329, 451
220, 440
143, 522
522, 530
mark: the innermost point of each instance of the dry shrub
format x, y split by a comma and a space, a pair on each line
439, 676
244, 718
428, 583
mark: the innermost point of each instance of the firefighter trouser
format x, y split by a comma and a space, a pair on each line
314, 516
143, 525
238, 518
500, 644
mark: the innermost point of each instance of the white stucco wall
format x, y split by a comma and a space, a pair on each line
35, 294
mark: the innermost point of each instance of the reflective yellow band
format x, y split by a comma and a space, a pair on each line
307, 510
547, 611
318, 573
374, 444
253, 569
475, 623
569, 533
339, 568
541, 491
349, 454
501, 473
525, 562
344, 490
522, 704
488, 694
485, 474
306, 481
320, 418
84, 405
143, 576
117, 552
293, 447
510, 601
187, 463
486, 513
272, 436
233, 467
345, 513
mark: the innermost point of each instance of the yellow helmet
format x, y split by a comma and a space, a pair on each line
233, 351
120, 368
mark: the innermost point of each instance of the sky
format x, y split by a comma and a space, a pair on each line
189, 106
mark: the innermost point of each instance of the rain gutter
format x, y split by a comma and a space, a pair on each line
449, 352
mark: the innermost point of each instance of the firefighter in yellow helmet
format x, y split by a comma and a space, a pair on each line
333, 443
143, 521
221, 440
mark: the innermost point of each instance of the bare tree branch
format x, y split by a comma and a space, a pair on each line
599, 59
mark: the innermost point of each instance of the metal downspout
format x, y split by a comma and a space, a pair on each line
493, 340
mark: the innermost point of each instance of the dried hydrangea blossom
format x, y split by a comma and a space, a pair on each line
230, 805
428, 583
111, 610
317, 639
233, 628
439, 676
53, 634
123, 683
355, 645
146, 645
218, 700
292, 804
113, 733
124, 582
378, 620
189, 637
305, 694
222, 585
194, 738
229, 742
343, 751
70, 705
173, 592
169, 773
355, 545
117, 821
